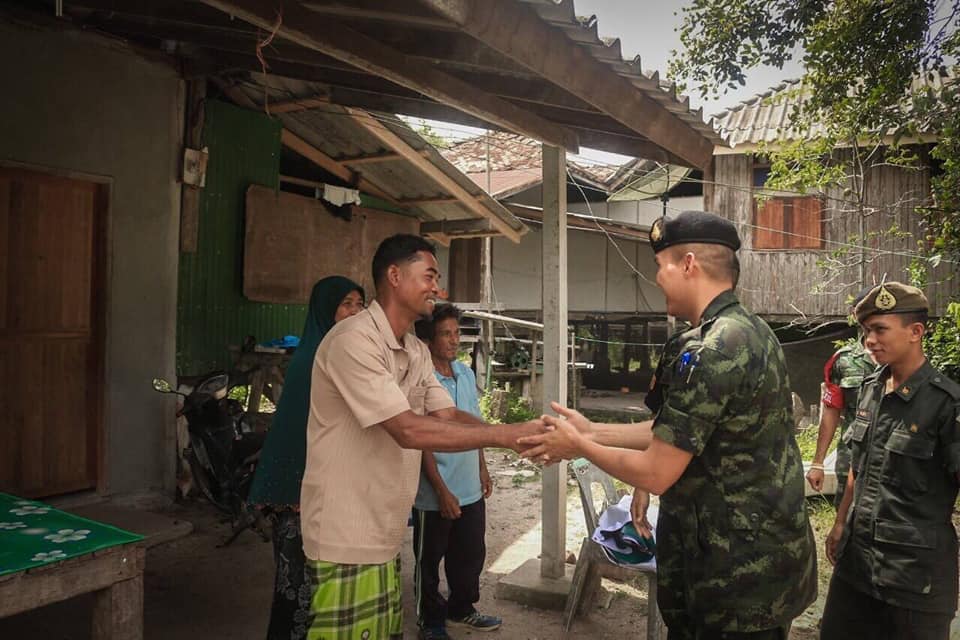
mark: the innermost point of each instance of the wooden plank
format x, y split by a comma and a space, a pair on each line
376, 10
372, 159
425, 166
45, 585
554, 239
464, 270
325, 162
190, 194
299, 104
769, 221
471, 228
315, 244
321, 34
807, 224
118, 611
547, 50
419, 201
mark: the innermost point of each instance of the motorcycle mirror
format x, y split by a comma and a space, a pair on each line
161, 385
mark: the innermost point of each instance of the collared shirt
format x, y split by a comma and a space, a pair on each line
461, 470
735, 551
359, 484
899, 544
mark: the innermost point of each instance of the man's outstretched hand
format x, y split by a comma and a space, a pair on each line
564, 440
521, 430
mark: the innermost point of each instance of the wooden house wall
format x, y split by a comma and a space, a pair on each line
788, 283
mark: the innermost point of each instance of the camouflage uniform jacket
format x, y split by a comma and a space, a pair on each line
899, 544
851, 364
735, 551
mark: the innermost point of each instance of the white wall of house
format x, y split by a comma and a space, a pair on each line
78, 102
599, 279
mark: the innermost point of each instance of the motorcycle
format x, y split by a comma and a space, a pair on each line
223, 450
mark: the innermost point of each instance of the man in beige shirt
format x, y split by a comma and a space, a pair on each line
374, 405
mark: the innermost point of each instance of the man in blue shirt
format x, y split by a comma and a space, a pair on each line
449, 512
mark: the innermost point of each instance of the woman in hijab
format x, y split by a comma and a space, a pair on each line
276, 484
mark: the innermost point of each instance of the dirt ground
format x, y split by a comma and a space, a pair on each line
194, 590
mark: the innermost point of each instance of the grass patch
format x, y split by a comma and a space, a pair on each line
807, 441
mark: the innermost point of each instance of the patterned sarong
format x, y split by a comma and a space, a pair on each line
355, 601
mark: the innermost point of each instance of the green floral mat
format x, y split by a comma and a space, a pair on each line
33, 534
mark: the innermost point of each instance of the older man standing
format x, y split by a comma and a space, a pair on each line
374, 404
735, 552
450, 511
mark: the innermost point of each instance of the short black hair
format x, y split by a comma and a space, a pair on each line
719, 262
915, 316
397, 249
427, 328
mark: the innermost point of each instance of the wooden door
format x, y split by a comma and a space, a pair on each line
51, 352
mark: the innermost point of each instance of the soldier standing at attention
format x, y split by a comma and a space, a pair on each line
843, 375
893, 544
735, 553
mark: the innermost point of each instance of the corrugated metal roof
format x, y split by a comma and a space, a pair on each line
516, 161
332, 130
583, 31
766, 117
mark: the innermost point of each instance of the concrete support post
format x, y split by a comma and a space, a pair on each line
554, 508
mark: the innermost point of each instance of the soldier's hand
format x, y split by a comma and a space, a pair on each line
563, 442
522, 430
638, 512
815, 478
573, 417
833, 541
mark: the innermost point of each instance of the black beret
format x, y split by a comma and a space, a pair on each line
891, 297
693, 226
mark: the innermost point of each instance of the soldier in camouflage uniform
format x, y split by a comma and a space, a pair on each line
735, 552
843, 374
893, 544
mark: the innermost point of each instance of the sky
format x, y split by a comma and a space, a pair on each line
649, 28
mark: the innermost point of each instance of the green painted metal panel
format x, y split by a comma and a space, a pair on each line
212, 312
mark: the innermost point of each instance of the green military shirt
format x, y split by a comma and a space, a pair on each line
899, 543
735, 551
850, 367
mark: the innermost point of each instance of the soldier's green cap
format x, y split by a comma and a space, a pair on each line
891, 297
693, 226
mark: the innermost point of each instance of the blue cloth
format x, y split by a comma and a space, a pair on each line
460, 471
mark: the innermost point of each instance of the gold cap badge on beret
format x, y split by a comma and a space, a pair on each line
656, 231
885, 300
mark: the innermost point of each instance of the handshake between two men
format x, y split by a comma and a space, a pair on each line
628, 452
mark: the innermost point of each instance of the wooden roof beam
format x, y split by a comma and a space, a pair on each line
300, 104
548, 51
420, 201
375, 10
325, 162
392, 141
454, 229
370, 159
317, 32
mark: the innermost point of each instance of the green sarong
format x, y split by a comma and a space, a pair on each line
34, 534
355, 601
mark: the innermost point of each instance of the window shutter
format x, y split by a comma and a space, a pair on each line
807, 231
769, 222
